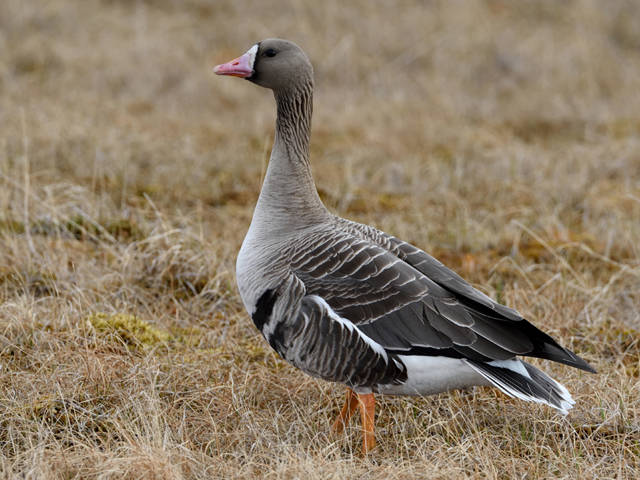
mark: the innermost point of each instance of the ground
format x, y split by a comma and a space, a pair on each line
503, 137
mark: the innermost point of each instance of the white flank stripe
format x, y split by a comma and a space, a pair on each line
344, 323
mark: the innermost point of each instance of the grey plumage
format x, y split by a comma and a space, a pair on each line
348, 303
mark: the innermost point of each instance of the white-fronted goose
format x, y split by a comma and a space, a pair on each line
348, 303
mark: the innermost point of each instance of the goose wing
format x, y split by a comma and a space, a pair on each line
431, 268
408, 302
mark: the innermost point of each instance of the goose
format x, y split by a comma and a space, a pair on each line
348, 303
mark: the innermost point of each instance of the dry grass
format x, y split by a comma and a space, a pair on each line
502, 136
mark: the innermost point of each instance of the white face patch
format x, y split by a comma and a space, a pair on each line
251, 53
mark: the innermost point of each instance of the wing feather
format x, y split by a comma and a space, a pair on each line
500, 332
395, 303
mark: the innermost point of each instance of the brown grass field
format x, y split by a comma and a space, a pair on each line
503, 137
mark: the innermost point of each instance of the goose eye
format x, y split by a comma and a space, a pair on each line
270, 52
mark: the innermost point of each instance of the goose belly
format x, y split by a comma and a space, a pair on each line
431, 375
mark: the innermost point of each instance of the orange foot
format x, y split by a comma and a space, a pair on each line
367, 405
350, 405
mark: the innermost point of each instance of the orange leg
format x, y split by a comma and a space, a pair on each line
350, 405
367, 405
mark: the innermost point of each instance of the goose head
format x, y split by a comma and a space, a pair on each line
272, 63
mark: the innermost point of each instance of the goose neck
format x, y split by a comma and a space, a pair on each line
289, 192
293, 123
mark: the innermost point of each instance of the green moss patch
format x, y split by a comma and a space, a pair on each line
129, 329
